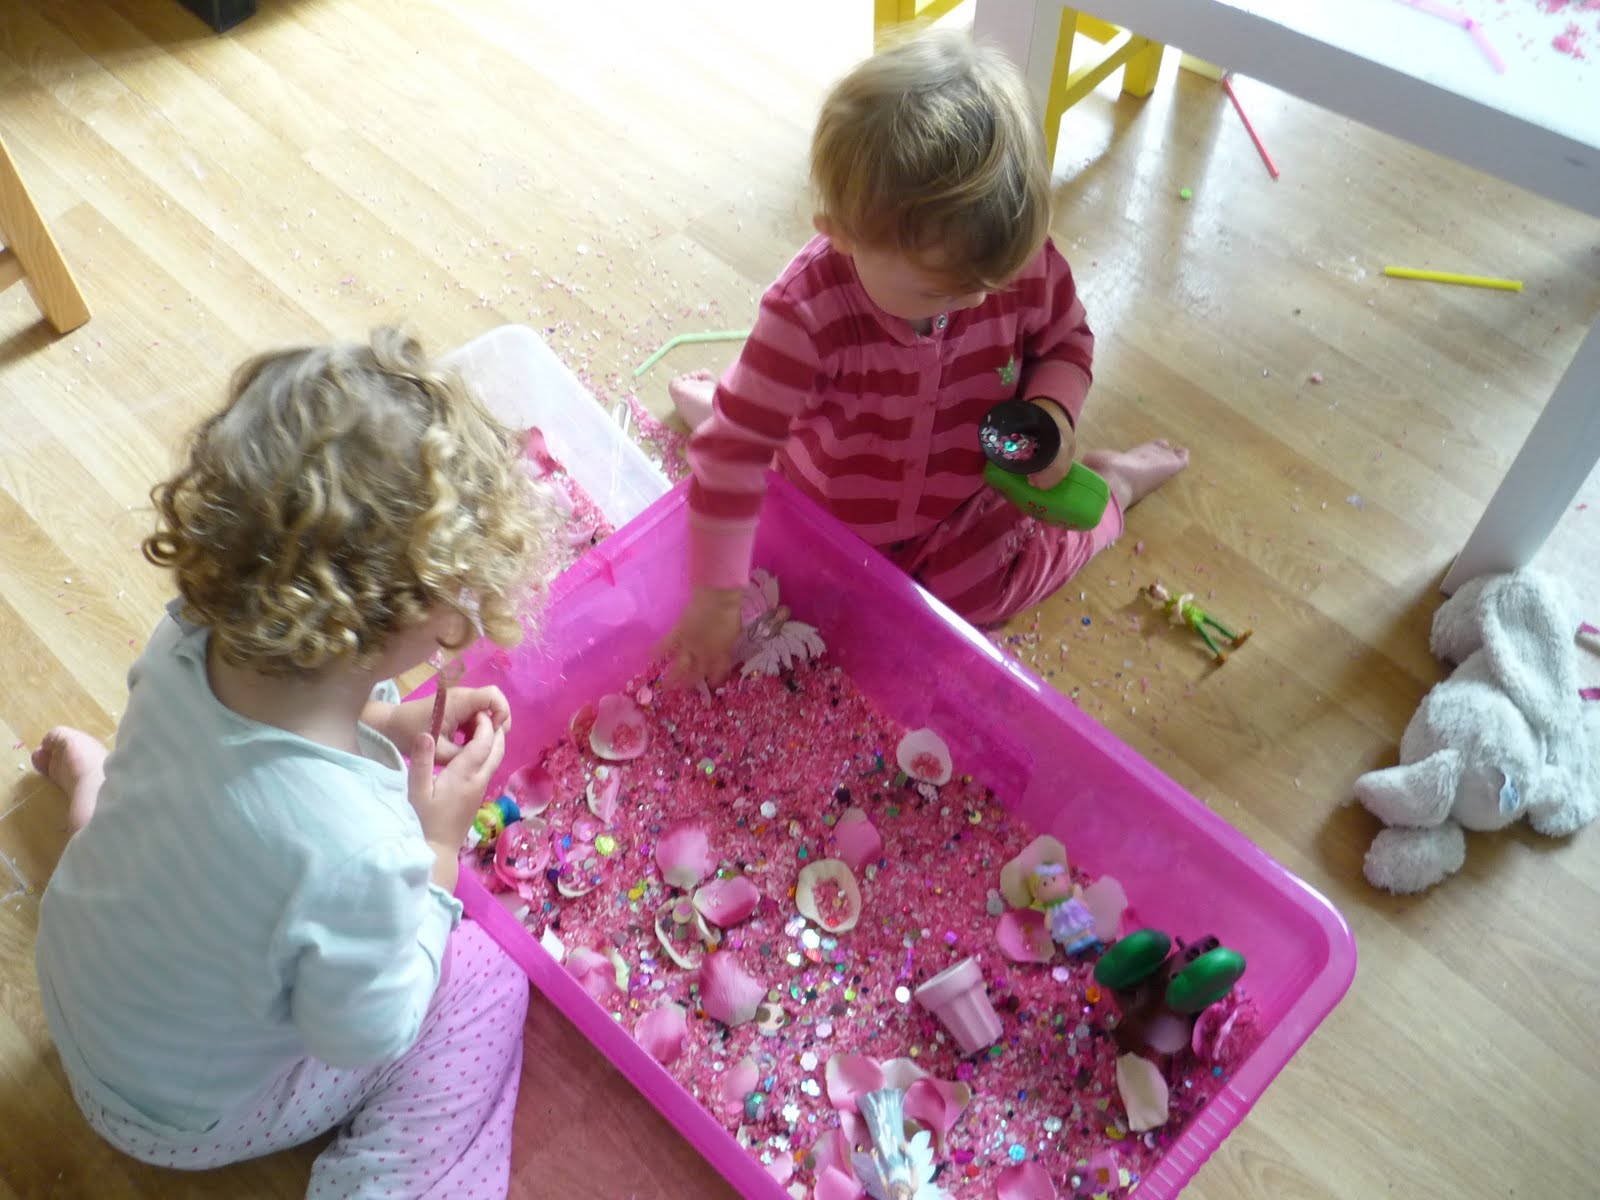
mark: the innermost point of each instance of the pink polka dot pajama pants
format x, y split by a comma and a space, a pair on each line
436, 1123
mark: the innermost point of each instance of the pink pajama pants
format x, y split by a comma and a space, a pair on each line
989, 560
436, 1123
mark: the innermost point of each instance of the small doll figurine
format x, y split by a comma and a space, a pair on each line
1071, 924
1182, 610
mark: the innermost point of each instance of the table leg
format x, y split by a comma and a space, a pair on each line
1561, 451
220, 14
1027, 32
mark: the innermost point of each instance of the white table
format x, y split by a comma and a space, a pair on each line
1411, 74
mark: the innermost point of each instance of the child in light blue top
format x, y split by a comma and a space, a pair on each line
252, 923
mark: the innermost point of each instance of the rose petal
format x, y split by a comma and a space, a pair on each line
831, 1150
937, 1106
781, 1169
1107, 900
835, 1184
538, 453
849, 1076
1104, 1171
553, 945
923, 755
726, 902
620, 731
1025, 1181
532, 787
845, 911
522, 851
603, 800
582, 725
684, 856
663, 1031
728, 992
853, 1129
1015, 875
1024, 936
738, 1081
580, 535
593, 971
1144, 1092
687, 953
902, 1073
856, 839
760, 596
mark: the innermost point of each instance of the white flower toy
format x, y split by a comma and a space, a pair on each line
895, 1169
771, 641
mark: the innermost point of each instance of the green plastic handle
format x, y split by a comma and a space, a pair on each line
1205, 981
1132, 959
1078, 501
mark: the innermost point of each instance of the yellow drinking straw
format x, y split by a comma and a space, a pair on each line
1483, 281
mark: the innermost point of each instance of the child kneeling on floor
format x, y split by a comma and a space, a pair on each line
930, 293
251, 937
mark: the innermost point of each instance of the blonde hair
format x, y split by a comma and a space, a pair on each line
932, 145
340, 494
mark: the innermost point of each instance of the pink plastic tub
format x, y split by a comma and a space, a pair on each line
1184, 869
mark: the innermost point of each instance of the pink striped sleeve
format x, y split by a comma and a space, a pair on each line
1058, 348
756, 402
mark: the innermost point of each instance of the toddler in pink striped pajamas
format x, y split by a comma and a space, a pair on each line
931, 293
251, 938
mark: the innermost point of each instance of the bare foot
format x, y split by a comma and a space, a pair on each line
74, 762
1134, 474
691, 395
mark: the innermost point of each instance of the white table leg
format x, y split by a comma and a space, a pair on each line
1562, 449
1026, 30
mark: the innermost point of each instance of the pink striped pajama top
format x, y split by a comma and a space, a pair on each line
874, 421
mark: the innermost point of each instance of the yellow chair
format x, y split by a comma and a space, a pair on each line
1139, 57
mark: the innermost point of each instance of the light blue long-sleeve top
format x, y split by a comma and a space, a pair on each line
242, 899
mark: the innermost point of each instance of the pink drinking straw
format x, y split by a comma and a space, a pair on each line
1249, 128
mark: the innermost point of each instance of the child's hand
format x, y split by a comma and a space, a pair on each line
403, 722
446, 803
701, 644
1057, 471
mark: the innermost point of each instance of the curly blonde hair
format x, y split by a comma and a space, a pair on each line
341, 494
932, 146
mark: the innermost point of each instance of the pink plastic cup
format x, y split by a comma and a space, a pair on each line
958, 997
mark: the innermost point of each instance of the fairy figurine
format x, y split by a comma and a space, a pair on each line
1182, 610
1070, 922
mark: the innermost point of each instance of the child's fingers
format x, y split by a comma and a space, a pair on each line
419, 771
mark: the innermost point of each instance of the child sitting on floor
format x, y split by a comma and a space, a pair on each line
931, 293
251, 937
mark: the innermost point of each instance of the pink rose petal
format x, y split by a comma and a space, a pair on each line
580, 535
834, 1184
1024, 936
727, 902
1106, 901
923, 755
902, 1073
663, 1031
831, 1150
1166, 1033
781, 1169
684, 856
1025, 1181
532, 787
675, 916
738, 1081
538, 453
937, 1106
856, 839
603, 799
619, 732
593, 971
1016, 875
1144, 1092
582, 725
728, 992
1103, 1171
849, 1076
826, 892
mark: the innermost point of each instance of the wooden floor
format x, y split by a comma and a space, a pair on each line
610, 174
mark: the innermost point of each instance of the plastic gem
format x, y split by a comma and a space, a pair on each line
1017, 1153
606, 844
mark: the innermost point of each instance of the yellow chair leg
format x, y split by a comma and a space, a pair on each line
29, 253
1139, 78
888, 15
1060, 98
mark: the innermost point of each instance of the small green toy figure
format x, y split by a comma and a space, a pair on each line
1182, 610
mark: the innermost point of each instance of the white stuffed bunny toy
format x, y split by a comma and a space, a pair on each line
1507, 735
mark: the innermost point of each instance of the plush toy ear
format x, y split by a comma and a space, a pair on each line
1457, 627
1528, 641
1417, 795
